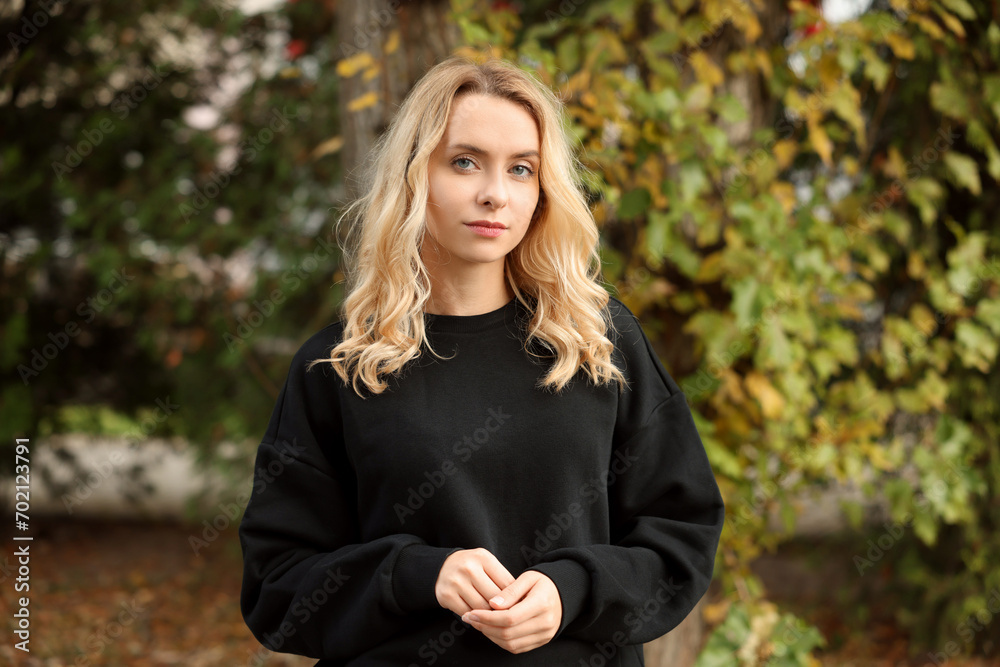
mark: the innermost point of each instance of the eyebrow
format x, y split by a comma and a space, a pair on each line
479, 151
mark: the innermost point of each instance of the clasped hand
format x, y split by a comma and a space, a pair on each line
516, 614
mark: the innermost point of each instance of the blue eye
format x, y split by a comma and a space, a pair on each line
527, 170
463, 159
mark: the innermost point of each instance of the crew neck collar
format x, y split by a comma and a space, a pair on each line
472, 323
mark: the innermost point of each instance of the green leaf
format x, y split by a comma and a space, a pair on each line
746, 302
666, 100
15, 333
568, 53
854, 512
846, 103
693, 181
714, 329
793, 642
657, 235
962, 8
926, 194
726, 639
823, 363
950, 99
965, 262
980, 137
634, 203
988, 312
775, 349
925, 527
788, 517
731, 109
722, 460
715, 138
991, 92
842, 343
976, 346
934, 390
965, 171
899, 493
876, 69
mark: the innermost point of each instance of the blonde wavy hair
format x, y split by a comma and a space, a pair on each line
553, 271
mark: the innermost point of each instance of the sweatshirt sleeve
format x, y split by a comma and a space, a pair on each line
666, 513
310, 585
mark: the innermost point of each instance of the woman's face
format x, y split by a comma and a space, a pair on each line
484, 170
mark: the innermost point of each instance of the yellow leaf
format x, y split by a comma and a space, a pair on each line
821, 142
829, 70
348, 67
588, 118
953, 23
577, 82
784, 192
472, 53
850, 165
713, 613
846, 103
588, 99
877, 457
915, 267
850, 309
392, 43
710, 269
842, 263
764, 63
797, 103
923, 319
895, 165
900, 45
785, 151
928, 24
370, 73
805, 7
730, 390
363, 102
699, 96
331, 145
771, 401
748, 23
706, 70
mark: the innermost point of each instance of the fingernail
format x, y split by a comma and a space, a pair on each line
497, 600
471, 617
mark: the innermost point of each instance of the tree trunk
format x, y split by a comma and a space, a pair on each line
680, 646
404, 40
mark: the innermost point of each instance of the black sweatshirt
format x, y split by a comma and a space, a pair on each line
357, 502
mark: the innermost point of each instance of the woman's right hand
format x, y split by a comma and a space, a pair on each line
469, 578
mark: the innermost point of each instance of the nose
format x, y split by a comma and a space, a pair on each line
494, 191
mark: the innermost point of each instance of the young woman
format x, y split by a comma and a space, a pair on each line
483, 462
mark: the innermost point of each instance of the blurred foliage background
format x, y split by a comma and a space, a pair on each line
801, 211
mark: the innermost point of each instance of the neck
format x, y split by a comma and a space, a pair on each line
474, 295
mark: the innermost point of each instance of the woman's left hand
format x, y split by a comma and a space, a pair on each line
528, 616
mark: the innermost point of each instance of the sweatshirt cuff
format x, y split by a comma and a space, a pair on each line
573, 582
415, 575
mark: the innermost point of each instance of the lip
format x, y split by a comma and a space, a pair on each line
487, 230
487, 223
